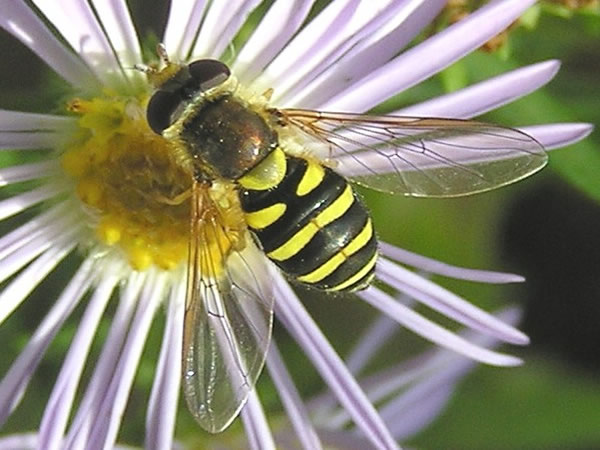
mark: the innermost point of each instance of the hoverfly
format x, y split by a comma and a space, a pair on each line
275, 182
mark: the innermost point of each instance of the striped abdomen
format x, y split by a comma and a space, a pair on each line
312, 225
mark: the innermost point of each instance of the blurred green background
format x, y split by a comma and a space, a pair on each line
546, 228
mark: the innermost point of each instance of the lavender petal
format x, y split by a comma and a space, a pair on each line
22, 285
182, 27
104, 431
19, 20
89, 407
18, 259
162, 406
446, 302
10, 140
23, 441
36, 226
487, 95
416, 371
116, 21
423, 414
23, 121
221, 23
379, 332
257, 429
429, 57
366, 20
447, 270
15, 381
60, 402
433, 332
293, 404
297, 321
271, 35
79, 27
21, 202
369, 54
25, 172
319, 32
415, 408
560, 134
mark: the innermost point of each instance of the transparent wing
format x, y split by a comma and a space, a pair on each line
421, 157
228, 318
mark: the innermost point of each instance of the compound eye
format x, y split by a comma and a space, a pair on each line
208, 73
161, 108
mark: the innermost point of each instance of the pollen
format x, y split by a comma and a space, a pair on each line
135, 184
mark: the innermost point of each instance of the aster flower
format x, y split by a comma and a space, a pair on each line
345, 59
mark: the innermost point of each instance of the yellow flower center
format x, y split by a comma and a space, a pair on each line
136, 183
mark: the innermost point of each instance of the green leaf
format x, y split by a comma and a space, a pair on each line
454, 77
558, 10
531, 17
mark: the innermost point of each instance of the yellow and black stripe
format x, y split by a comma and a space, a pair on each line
310, 223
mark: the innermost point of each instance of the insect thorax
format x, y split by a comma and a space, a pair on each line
225, 138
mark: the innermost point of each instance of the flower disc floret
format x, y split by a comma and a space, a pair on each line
136, 184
